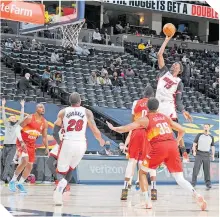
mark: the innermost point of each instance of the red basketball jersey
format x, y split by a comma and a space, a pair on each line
140, 108
33, 130
159, 128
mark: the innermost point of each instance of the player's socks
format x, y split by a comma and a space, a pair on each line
14, 178
147, 200
125, 184
21, 181
153, 190
130, 183
58, 193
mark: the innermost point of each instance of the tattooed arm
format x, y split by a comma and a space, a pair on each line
93, 127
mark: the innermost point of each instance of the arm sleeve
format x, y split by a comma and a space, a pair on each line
197, 138
162, 72
21, 116
4, 118
213, 142
178, 98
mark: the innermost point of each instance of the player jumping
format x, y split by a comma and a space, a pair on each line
169, 92
163, 149
74, 120
137, 149
27, 133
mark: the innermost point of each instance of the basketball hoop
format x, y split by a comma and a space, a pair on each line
71, 33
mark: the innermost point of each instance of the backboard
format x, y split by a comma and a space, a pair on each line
57, 13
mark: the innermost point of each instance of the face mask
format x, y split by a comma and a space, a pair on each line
107, 147
12, 123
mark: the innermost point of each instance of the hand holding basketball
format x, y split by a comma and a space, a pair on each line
169, 30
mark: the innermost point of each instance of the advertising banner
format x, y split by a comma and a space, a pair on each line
112, 171
22, 11
171, 7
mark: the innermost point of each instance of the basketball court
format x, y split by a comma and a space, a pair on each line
104, 200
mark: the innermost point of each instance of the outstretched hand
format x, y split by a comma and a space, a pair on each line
110, 126
187, 116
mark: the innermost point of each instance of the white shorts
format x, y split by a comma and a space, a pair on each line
54, 151
168, 109
71, 153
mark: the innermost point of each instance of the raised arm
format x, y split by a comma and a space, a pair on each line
161, 62
141, 122
18, 129
4, 118
45, 140
22, 111
177, 127
57, 126
93, 127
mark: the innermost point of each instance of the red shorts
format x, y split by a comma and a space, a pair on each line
138, 145
164, 152
29, 151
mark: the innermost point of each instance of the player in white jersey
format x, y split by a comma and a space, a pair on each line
74, 120
169, 91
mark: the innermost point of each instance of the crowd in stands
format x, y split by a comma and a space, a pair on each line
115, 70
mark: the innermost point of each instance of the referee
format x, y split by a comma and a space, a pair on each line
201, 150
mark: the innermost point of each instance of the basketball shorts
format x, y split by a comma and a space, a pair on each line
168, 109
29, 151
166, 152
138, 145
70, 154
54, 151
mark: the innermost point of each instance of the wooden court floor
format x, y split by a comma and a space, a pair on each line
104, 200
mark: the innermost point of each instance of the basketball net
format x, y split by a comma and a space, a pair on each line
71, 33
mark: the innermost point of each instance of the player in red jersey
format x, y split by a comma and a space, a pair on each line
164, 148
138, 147
27, 133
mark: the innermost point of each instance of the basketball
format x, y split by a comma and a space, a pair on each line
169, 29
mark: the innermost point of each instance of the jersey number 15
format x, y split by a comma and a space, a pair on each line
74, 125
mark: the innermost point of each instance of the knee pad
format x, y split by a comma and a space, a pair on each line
130, 168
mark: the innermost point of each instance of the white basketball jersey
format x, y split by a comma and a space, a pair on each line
167, 88
75, 123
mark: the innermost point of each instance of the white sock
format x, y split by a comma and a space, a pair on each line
130, 181
153, 184
181, 181
14, 178
62, 183
21, 181
146, 196
125, 184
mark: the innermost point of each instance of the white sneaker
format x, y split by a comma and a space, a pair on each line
201, 202
58, 193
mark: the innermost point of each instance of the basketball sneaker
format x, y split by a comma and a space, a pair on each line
161, 168
201, 202
21, 188
153, 194
137, 186
185, 157
12, 186
124, 194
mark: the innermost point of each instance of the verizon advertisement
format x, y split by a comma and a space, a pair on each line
113, 171
171, 7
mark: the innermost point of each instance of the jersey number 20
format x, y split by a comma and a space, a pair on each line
74, 125
164, 128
